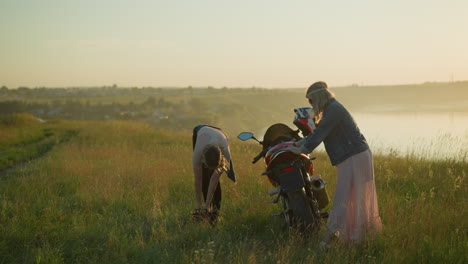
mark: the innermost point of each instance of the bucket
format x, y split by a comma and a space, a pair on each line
320, 192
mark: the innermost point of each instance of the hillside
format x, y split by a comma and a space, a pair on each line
233, 109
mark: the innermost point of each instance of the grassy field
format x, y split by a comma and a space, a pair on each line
122, 192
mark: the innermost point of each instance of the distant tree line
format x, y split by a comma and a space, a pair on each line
75, 109
105, 91
109, 91
174, 108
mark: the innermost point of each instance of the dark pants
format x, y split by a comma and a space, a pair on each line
206, 177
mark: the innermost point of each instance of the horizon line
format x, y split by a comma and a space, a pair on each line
226, 87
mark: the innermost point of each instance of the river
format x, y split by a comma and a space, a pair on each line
427, 135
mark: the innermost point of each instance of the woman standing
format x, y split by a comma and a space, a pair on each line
211, 157
355, 211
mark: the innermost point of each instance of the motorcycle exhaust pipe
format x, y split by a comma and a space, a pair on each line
317, 184
319, 191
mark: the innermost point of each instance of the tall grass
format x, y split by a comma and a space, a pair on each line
122, 192
17, 129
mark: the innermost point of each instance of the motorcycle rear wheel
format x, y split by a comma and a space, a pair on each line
300, 212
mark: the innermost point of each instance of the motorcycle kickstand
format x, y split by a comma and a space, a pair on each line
283, 213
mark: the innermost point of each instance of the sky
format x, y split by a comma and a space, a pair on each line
236, 43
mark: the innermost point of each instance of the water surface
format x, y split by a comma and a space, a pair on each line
429, 135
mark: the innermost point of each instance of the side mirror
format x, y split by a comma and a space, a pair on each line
245, 135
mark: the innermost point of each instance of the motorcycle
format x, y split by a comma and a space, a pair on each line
301, 196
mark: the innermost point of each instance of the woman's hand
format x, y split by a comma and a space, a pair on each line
300, 142
293, 149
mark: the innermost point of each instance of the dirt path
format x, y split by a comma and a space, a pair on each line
60, 139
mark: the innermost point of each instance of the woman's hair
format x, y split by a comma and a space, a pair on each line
213, 158
320, 96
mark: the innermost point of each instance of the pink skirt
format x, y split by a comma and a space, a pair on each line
355, 212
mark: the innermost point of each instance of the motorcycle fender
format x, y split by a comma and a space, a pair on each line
290, 179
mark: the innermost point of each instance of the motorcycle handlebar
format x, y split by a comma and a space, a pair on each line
260, 155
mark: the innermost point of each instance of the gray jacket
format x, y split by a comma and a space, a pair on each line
339, 133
